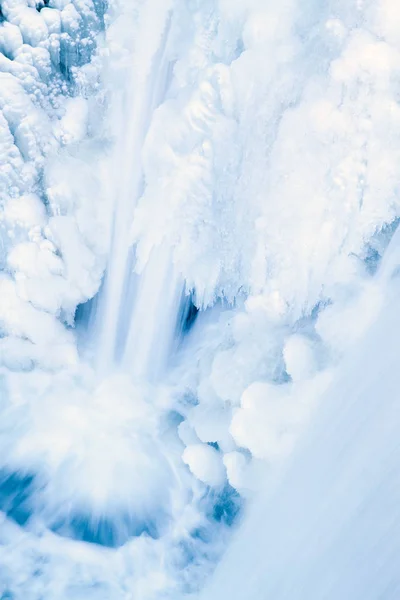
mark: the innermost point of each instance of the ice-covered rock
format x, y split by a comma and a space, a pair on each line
205, 462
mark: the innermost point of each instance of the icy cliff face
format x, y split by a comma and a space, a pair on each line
52, 229
274, 163
268, 135
219, 179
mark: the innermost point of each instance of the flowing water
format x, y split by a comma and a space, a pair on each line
137, 313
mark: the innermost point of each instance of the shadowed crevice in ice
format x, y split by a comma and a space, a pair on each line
187, 316
223, 505
15, 494
20, 501
376, 246
204, 544
42, 4
84, 315
111, 532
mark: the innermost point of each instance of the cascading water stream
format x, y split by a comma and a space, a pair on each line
128, 484
152, 321
137, 312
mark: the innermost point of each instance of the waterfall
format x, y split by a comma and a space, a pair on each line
152, 320
137, 312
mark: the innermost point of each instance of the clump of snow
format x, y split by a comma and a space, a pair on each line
235, 463
205, 462
271, 418
299, 357
72, 127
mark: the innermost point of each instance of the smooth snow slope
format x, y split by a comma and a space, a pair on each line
329, 529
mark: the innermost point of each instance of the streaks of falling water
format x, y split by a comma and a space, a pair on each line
134, 317
153, 318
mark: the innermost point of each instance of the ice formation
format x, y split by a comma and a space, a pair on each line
199, 202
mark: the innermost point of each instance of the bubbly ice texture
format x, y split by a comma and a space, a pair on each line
53, 231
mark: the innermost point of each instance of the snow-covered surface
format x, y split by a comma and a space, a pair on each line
328, 526
195, 199
53, 233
